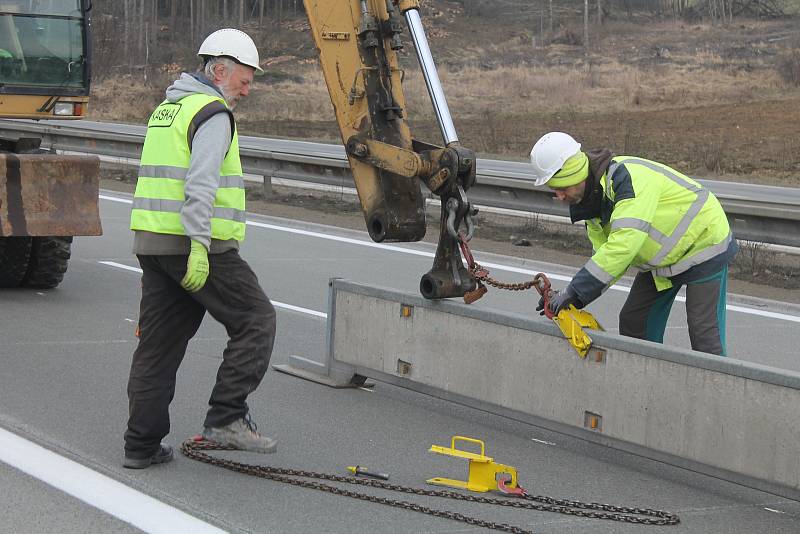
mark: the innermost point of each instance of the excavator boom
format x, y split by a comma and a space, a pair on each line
358, 41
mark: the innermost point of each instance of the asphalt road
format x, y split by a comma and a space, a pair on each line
65, 355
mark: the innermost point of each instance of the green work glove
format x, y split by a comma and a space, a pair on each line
196, 268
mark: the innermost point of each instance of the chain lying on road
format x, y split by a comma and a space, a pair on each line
193, 448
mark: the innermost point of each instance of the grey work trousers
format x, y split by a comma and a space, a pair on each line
169, 317
646, 311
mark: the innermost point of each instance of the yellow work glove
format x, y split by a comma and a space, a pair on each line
196, 268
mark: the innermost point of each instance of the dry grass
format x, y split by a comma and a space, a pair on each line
510, 90
127, 98
636, 90
755, 262
586, 88
789, 68
666, 65
289, 100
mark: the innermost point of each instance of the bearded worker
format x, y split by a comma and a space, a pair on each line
189, 220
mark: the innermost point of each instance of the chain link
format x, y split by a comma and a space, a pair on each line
644, 516
482, 274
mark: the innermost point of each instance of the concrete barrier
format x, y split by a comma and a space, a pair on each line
727, 418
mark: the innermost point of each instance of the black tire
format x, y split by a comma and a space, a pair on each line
48, 263
15, 253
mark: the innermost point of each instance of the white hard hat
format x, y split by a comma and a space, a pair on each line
232, 43
549, 154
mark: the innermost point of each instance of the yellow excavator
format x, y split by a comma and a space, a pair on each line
45, 198
358, 43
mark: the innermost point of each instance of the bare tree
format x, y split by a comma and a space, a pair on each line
586, 23
129, 20
140, 48
173, 14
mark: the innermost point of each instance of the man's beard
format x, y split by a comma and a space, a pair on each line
231, 101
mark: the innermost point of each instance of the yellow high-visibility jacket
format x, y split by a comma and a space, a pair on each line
655, 219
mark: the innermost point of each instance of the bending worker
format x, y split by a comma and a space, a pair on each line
642, 214
189, 218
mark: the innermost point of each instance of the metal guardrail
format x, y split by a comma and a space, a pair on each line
757, 213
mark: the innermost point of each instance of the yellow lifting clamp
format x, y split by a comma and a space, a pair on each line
572, 322
482, 469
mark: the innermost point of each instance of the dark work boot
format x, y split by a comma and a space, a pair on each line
242, 435
162, 456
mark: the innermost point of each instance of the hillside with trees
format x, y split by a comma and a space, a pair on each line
712, 86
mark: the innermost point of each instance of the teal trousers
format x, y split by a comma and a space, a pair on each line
646, 311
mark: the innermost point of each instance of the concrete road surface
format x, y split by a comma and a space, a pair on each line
65, 354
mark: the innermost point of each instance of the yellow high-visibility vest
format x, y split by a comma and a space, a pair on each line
159, 194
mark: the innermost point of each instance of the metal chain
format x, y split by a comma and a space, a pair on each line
482, 274
193, 449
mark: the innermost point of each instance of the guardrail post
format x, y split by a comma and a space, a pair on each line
267, 188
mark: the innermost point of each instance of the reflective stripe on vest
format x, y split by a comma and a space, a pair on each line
669, 242
697, 259
598, 272
174, 206
160, 190
178, 173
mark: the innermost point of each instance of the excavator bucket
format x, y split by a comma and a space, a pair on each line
49, 195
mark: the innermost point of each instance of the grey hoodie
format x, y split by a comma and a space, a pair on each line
210, 144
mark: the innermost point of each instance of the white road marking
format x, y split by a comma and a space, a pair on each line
121, 266
97, 490
117, 199
315, 313
275, 303
423, 253
763, 313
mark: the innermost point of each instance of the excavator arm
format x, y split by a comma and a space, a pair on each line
358, 41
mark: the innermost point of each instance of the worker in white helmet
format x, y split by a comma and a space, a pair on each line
189, 219
642, 214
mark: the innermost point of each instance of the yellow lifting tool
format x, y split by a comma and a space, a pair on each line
483, 472
572, 322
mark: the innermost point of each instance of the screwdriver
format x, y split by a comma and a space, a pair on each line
363, 471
